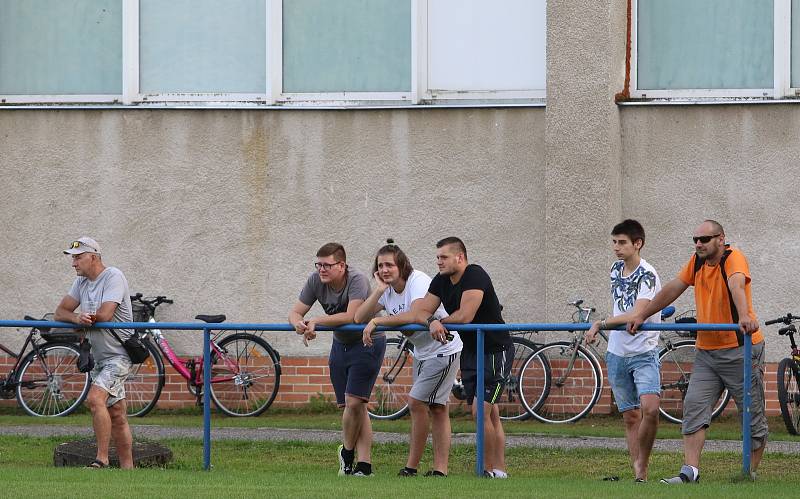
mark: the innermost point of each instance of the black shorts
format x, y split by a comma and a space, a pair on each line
354, 368
496, 371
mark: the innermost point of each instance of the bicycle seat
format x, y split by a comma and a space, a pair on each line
667, 312
211, 318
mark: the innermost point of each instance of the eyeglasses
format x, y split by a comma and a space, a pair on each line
326, 266
704, 239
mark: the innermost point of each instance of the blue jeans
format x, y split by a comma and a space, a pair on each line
633, 376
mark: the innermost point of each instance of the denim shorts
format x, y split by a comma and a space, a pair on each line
633, 376
355, 367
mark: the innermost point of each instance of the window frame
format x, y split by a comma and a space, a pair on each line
781, 89
420, 93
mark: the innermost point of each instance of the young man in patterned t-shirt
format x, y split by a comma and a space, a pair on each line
632, 360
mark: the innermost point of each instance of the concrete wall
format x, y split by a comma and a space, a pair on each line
224, 210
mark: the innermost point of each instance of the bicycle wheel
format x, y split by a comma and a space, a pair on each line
576, 383
677, 359
246, 375
389, 398
789, 394
509, 403
49, 384
145, 382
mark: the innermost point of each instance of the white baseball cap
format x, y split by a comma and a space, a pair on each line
83, 245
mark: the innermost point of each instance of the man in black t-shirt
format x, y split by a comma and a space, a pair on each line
468, 296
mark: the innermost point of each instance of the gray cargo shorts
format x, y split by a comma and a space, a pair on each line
110, 374
715, 370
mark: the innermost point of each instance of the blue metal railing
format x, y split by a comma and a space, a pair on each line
480, 329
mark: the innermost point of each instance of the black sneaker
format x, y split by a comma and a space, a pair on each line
406, 471
362, 469
345, 467
434, 473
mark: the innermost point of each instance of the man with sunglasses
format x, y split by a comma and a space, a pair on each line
353, 365
721, 279
107, 288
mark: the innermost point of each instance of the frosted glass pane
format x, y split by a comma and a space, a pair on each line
202, 46
486, 45
346, 46
714, 44
795, 43
60, 47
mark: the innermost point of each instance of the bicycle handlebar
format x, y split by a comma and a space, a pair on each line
787, 319
151, 302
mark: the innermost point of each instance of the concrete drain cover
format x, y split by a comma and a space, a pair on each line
82, 452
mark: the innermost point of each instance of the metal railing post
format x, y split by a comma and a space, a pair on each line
746, 401
207, 399
479, 436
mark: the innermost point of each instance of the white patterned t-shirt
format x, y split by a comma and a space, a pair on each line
642, 284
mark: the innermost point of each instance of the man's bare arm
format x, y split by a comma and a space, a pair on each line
736, 283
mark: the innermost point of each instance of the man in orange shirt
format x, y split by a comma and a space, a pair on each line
721, 279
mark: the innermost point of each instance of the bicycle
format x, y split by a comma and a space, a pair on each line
46, 380
789, 376
574, 365
389, 398
576, 378
246, 370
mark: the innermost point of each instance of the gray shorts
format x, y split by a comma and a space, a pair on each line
110, 374
715, 370
434, 378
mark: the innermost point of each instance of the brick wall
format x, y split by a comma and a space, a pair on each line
304, 378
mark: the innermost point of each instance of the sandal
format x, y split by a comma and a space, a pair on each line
97, 465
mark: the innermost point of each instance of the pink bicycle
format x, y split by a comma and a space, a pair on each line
246, 370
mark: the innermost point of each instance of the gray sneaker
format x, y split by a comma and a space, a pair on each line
685, 476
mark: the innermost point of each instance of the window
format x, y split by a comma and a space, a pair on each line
477, 46
346, 46
715, 48
202, 46
56, 47
272, 52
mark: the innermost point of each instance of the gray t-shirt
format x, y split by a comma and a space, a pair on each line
335, 302
110, 285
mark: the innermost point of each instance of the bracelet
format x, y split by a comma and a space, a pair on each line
372, 321
603, 324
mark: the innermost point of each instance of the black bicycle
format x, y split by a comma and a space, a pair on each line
789, 376
45, 379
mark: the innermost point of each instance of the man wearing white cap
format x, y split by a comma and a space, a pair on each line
103, 295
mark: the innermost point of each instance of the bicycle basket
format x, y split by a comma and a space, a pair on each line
686, 320
140, 313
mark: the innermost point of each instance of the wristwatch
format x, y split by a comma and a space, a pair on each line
430, 319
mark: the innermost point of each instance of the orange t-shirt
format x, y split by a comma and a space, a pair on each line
712, 301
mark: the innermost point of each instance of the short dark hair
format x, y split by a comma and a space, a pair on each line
630, 228
454, 241
400, 259
716, 225
334, 249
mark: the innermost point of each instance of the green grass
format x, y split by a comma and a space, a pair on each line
725, 428
286, 469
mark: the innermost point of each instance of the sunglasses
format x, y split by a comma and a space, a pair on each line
78, 244
326, 266
704, 239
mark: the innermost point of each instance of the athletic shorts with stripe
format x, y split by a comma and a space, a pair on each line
434, 378
496, 369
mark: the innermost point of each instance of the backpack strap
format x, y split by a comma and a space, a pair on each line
698, 264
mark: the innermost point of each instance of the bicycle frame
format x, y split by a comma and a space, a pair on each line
182, 364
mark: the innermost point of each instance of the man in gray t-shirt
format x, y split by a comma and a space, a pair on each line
102, 294
353, 365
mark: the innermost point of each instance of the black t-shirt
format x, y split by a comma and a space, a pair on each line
488, 312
